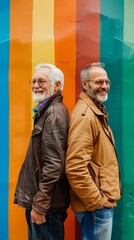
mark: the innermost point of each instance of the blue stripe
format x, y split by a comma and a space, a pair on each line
4, 119
111, 50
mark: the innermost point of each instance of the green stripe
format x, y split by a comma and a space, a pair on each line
128, 120
111, 50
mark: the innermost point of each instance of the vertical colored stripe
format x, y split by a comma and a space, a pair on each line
111, 38
4, 109
43, 33
87, 44
20, 104
128, 119
65, 46
87, 36
65, 59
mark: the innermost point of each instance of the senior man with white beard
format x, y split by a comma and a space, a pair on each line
42, 187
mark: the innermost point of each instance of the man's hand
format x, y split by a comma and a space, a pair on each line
37, 217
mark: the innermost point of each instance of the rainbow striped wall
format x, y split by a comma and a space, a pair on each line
70, 34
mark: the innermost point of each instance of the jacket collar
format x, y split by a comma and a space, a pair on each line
96, 110
90, 103
54, 98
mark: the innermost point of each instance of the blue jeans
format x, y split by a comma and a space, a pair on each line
52, 229
96, 225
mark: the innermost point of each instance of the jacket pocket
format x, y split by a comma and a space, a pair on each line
36, 146
95, 174
37, 130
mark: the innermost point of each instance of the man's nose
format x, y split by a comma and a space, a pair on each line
105, 85
36, 84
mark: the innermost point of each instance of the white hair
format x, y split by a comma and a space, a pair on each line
55, 75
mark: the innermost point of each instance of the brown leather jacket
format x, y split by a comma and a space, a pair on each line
42, 183
91, 164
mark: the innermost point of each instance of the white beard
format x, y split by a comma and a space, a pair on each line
38, 97
101, 98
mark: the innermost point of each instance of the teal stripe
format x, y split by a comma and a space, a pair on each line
111, 50
4, 111
128, 120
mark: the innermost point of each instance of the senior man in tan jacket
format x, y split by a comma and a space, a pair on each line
91, 164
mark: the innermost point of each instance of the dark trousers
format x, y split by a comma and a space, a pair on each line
52, 229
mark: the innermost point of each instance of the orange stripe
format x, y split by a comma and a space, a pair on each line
65, 46
65, 59
20, 104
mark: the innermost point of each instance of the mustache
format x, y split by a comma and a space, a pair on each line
103, 90
39, 89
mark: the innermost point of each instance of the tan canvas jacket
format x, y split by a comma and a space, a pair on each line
91, 163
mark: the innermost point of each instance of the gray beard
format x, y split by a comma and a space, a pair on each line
102, 98
94, 95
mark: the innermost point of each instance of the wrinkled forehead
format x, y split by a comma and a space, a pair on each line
42, 72
97, 72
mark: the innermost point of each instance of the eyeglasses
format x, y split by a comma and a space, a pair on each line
40, 82
100, 82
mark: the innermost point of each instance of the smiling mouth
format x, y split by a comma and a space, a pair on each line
38, 91
103, 92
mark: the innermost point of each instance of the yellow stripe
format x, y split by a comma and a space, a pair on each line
43, 33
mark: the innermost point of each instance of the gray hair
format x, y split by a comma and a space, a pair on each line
84, 74
55, 75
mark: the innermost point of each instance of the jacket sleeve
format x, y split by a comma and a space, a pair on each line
53, 149
83, 133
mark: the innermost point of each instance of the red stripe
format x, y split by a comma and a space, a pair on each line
87, 36
87, 46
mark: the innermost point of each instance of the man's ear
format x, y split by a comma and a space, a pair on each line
84, 84
57, 86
